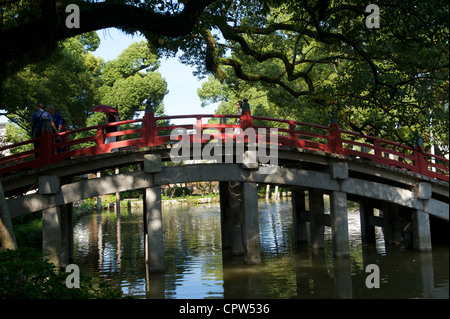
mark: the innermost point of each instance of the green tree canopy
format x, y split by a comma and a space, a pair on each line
40, 24
390, 81
67, 79
131, 79
74, 80
316, 54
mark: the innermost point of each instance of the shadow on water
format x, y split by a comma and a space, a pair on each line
196, 267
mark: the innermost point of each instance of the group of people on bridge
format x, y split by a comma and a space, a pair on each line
56, 121
58, 124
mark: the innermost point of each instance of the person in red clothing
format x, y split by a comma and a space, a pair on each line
112, 117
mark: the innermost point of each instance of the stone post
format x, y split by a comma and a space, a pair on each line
421, 230
249, 210
53, 226
66, 235
299, 211
420, 219
392, 236
316, 211
153, 226
7, 237
154, 236
367, 231
51, 235
339, 218
225, 219
235, 199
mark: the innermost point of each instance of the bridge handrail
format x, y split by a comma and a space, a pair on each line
418, 153
88, 128
332, 140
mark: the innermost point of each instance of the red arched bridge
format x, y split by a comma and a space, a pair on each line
149, 132
408, 186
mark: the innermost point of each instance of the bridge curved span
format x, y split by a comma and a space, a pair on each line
294, 177
408, 200
296, 168
154, 131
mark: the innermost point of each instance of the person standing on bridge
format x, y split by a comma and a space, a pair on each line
112, 117
56, 119
56, 123
37, 121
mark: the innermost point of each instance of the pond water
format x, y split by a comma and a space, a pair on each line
196, 267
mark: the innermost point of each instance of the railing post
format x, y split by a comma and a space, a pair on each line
246, 117
420, 162
47, 145
149, 130
100, 141
377, 148
197, 138
334, 137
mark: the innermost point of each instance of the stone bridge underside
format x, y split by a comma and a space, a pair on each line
296, 167
340, 177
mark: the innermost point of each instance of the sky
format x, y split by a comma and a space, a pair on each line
182, 85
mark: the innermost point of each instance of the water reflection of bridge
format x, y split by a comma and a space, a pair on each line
112, 245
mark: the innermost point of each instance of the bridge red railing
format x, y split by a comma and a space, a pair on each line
152, 131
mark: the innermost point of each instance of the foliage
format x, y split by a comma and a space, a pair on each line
25, 275
28, 230
314, 59
307, 59
66, 79
15, 134
40, 24
87, 205
127, 87
74, 80
181, 192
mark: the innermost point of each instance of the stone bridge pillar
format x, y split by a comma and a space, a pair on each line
231, 221
317, 218
239, 220
57, 227
249, 210
299, 214
421, 220
51, 235
338, 210
154, 248
153, 225
366, 210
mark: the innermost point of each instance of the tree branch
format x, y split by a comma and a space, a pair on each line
230, 34
49, 29
237, 66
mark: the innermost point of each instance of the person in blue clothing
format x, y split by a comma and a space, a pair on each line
37, 121
56, 119
57, 125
